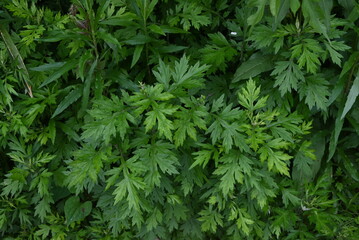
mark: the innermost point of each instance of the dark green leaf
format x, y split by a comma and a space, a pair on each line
253, 67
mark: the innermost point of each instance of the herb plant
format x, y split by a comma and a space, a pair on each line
156, 119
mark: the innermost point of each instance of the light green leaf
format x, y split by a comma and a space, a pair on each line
156, 29
14, 52
274, 7
294, 5
352, 96
258, 15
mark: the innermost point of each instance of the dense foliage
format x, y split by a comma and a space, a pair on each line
201, 119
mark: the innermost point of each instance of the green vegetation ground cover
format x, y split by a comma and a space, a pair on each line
202, 119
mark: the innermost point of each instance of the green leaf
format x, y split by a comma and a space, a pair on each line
47, 67
108, 38
218, 53
61, 71
87, 87
75, 210
258, 15
315, 91
338, 125
303, 161
288, 76
235, 166
308, 51
274, 6
352, 96
110, 117
294, 5
164, 125
136, 55
276, 160
129, 186
139, 39
348, 65
318, 15
333, 49
158, 156
243, 221
14, 52
289, 195
210, 220
156, 29
202, 157
126, 20
253, 67
72, 97
188, 77
282, 9
163, 74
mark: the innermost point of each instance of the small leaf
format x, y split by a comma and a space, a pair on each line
352, 96
75, 210
14, 52
136, 54
253, 67
67, 101
156, 29
47, 67
294, 5
258, 15
61, 71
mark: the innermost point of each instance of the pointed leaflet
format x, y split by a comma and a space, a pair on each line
163, 74
210, 219
188, 77
47, 67
61, 71
218, 52
288, 76
253, 67
317, 11
303, 161
308, 52
276, 160
83, 171
87, 86
110, 117
16, 56
158, 114
233, 168
129, 186
258, 15
352, 96
158, 156
243, 221
188, 119
282, 10
294, 5
136, 54
289, 195
72, 97
338, 125
333, 48
315, 91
